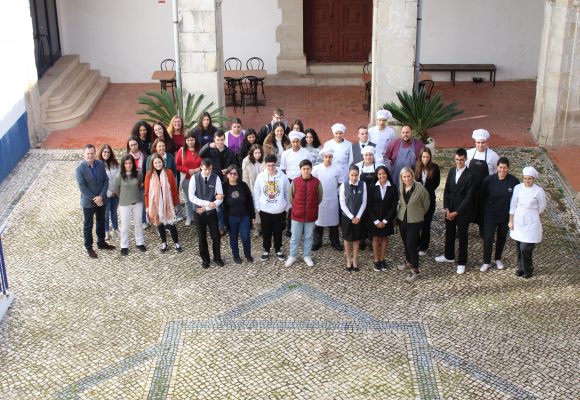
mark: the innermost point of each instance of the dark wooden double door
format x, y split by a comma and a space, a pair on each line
337, 30
46, 36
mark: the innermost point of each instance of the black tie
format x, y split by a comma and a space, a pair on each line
363, 145
353, 187
205, 180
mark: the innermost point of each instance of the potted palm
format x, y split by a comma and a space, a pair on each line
422, 114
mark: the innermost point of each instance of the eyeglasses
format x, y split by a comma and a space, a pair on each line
233, 173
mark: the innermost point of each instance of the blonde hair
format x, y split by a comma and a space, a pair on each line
170, 128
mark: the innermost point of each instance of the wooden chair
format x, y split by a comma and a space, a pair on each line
426, 85
168, 65
233, 63
230, 91
367, 70
257, 63
249, 91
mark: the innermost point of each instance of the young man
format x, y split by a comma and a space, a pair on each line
356, 155
271, 201
205, 192
93, 184
277, 116
458, 205
381, 134
305, 196
403, 152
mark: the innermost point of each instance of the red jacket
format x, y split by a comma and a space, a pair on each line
305, 203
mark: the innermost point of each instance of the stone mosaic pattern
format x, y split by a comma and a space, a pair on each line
85, 329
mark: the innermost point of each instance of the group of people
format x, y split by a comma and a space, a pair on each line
283, 178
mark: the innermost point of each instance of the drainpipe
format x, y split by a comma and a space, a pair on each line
418, 44
176, 45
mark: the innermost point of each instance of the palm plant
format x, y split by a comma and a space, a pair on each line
160, 106
422, 114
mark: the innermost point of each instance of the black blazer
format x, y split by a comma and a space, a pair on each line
431, 184
382, 209
459, 196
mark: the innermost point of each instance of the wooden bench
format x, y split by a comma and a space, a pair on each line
453, 68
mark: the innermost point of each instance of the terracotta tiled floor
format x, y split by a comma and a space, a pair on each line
567, 161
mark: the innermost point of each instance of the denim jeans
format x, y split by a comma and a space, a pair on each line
189, 210
240, 225
297, 229
89, 215
220, 215
112, 204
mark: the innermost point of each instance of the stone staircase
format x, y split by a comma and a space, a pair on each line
321, 74
69, 92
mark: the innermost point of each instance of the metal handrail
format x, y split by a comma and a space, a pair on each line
3, 274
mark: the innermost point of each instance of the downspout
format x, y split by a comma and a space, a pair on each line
418, 44
176, 45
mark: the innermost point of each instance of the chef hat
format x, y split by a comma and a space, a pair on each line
368, 150
327, 151
530, 171
296, 135
384, 114
338, 127
480, 134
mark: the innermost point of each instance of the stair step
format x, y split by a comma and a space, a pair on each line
289, 79
68, 85
75, 96
333, 68
56, 74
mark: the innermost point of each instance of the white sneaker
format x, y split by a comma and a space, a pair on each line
422, 253
107, 236
291, 260
461, 269
499, 264
308, 261
179, 218
485, 267
188, 221
443, 259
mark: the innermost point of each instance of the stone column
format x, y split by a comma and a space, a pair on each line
200, 47
290, 35
393, 53
557, 109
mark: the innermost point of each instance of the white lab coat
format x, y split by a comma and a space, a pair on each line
341, 155
526, 206
330, 178
381, 139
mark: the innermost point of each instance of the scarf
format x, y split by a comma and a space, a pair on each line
160, 201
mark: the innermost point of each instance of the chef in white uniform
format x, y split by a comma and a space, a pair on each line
528, 202
330, 176
341, 148
381, 134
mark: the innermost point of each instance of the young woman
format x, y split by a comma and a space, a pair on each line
381, 210
427, 172
176, 130
159, 147
235, 136
238, 212
143, 132
249, 140
413, 205
311, 143
204, 130
276, 142
251, 167
160, 132
297, 126
161, 198
140, 158
107, 156
188, 163
128, 185
353, 201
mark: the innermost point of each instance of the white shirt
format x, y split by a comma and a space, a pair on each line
458, 173
342, 200
368, 168
491, 160
204, 203
383, 193
291, 160
341, 155
381, 139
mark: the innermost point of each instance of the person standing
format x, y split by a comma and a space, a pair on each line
204, 131
382, 135
413, 205
428, 173
205, 191
330, 177
188, 162
496, 192
176, 130
305, 196
235, 136
356, 155
527, 203
160, 132
249, 141
458, 205
311, 143
276, 142
107, 156
342, 149
271, 202
93, 184
368, 175
277, 117
403, 152
142, 131
251, 167
140, 158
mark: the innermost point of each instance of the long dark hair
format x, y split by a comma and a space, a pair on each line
166, 135
271, 138
383, 168
139, 124
299, 123
245, 142
315, 140
133, 171
210, 127
112, 161
419, 167
251, 153
229, 169
154, 157
196, 146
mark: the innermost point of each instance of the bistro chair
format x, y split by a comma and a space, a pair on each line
233, 63
231, 92
426, 85
368, 84
168, 65
249, 92
257, 63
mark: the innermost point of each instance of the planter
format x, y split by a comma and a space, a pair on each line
431, 145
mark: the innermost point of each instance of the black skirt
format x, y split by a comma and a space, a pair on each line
350, 231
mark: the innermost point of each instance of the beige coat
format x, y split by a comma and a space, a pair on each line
417, 207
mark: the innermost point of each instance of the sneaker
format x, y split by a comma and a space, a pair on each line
291, 260
265, 255
107, 236
422, 253
188, 221
461, 269
485, 267
519, 273
250, 259
280, 256
92, 253
377, 266
179, 218
142, 248
163, 247
499, 264
308, 261
443, 259
237, 260
413, 277
384, 265
124, 252
402, 267
178, 248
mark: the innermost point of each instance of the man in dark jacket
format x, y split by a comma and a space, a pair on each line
458, 207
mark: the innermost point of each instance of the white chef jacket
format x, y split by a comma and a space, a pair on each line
291, 161
491, 160
330, 178
381, 139
526, 206
341, 155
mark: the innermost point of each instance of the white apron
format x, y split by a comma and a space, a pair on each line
526, 205
330, 178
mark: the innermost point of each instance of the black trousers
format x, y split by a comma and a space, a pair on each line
489, 231
202, 222
525, 251
458, 227
332, 235
89, 214
410, 236
272, 224
172, 231
425, 234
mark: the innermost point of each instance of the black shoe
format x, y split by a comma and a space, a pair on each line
527, 276
142, 248
178, 248
316, 247
237, 260
519, 273
377, 266
92, 253
356, 269
124, 252
338, 246
265, 255
205, 264
280, 256
384, 265
219, 262
106, 246
250, 259
288, 234
223, 232
163, 247
349, 268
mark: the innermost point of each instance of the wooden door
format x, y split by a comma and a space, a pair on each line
337, 30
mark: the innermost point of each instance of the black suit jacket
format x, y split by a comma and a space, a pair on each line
382, 209
431, 184
459, 196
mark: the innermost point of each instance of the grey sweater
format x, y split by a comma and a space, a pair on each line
129, 190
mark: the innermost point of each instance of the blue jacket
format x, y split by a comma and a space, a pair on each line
92, 185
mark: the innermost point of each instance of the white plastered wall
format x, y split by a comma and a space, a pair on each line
125, 39
501, 32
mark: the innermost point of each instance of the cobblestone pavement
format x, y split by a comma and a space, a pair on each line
153, 326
